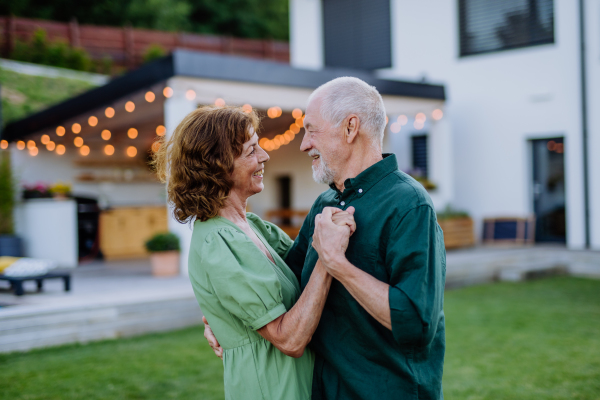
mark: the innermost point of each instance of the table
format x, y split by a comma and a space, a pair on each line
16, 282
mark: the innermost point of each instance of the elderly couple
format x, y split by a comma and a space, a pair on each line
353, 308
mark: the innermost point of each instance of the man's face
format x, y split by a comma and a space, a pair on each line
323, 142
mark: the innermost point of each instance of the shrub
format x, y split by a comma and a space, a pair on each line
153, 52
58, 54
451, 213
163, 242
7, 195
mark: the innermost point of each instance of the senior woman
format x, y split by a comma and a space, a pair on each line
212, 164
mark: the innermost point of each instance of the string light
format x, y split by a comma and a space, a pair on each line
420, 117
60, 130
437, 114
20, 145
92, 121
109, 112
33, 151
167, 92
76, 128
149, 97
155, 146
296, 113
105, 134
247, 108
262, 142
45, 139
419, 124
274, 112
395, 127
60, 149
220, 102
300, 122
190, 95
161, 130
84, 150
387, 120
289, 136
78, 142
50, 146
109, 150
402, 120
131, 151
294, 128
30, 144
132, 133
129, 106
4, 144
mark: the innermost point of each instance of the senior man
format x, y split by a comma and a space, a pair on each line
381, 335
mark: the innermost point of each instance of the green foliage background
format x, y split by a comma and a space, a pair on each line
260, 19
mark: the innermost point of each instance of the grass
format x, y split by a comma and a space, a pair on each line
25, 94
535, 340
532, 340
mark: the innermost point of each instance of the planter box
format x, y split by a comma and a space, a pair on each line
458, 232
165, 263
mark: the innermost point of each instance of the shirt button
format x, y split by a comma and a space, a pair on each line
343, 203
359, 190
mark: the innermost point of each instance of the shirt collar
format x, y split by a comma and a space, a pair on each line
370, 176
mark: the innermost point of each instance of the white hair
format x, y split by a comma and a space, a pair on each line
348, 95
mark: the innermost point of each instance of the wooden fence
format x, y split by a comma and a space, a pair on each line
127, 46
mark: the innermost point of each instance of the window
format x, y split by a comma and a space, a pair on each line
493, 25
357, 34
419, 155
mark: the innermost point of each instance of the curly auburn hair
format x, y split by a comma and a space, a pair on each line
196, 162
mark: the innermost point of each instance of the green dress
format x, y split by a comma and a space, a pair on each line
239, 291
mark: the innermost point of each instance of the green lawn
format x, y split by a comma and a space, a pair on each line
25, 94
534, 340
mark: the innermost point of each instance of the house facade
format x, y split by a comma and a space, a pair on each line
522, 96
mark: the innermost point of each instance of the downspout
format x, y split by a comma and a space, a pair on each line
584, 123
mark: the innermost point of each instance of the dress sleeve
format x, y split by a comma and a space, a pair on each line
416, 261
241, 279
277, 239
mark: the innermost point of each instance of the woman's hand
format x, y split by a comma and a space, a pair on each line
345, 218
212, 340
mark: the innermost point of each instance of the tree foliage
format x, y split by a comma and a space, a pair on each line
266, 19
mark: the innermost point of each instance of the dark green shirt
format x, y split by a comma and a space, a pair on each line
399, 242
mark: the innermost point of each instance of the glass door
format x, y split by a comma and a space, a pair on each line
549, 190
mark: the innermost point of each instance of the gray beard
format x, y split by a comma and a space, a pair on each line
323, 174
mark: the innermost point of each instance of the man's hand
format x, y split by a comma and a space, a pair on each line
329, 239
345, 218
212, 340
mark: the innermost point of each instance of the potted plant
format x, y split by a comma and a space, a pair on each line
457, 227
38, 191
164, 254
60, 190
10, 245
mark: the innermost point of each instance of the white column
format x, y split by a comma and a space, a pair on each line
176, 108
306, 34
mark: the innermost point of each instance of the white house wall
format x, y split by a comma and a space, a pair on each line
306, 34
593, 76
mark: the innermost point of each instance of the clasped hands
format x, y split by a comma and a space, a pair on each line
333, 228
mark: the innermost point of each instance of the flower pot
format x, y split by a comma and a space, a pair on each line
11, 245
458, 232
165, 263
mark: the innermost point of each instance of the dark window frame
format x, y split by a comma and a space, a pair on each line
463, 33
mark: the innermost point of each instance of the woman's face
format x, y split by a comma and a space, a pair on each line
248, 168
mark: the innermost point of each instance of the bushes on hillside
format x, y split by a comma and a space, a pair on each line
40, 50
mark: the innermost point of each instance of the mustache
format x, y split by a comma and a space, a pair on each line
314, 152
